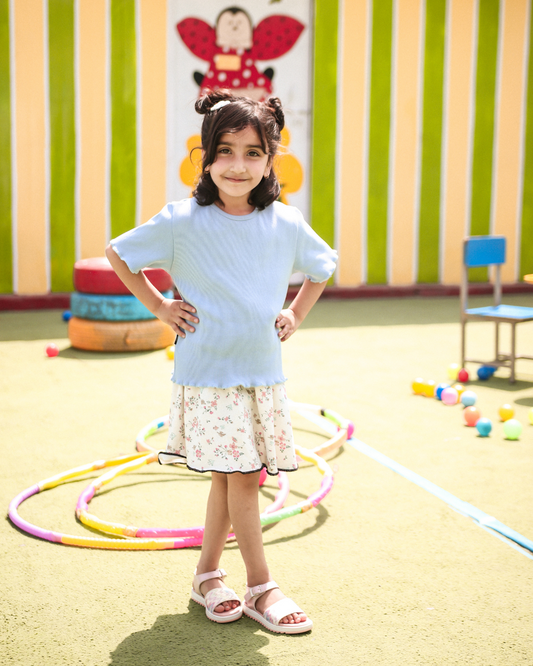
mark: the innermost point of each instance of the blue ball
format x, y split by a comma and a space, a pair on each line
440, 388
484, 373
468, 399
484, 426
67, 315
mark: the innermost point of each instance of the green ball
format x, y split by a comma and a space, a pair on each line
512, 429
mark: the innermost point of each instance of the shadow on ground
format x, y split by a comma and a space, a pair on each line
189, 638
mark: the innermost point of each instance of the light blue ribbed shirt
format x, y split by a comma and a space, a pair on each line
234, 269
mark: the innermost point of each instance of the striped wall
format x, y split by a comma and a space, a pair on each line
82, 152
435, 137
422, 133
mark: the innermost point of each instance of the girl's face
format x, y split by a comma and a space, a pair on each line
239, 166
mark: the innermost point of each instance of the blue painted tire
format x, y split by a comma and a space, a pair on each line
104, 307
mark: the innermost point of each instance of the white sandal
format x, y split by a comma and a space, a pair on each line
273, 615
215, 597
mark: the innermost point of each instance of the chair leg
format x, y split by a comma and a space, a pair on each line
497, 357
513, 352
463, 343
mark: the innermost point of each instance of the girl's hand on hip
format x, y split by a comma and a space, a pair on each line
288, 323
177, 314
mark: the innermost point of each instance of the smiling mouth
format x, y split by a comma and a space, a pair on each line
236, 180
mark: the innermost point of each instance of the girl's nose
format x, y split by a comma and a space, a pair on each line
238, 165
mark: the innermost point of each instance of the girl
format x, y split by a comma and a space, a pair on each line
231, 250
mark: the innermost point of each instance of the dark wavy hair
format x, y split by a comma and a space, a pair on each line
266, 118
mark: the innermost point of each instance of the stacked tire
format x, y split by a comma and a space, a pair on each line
106, 317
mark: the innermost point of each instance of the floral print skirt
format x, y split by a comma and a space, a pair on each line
228, 430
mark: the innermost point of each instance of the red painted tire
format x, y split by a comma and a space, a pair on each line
95, 276
123, 336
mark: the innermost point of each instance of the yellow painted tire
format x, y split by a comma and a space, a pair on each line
121, 336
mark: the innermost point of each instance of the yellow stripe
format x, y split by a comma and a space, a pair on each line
153, 106
458, 130
509, 137
352, 128
406, 140
30, 147
92, 90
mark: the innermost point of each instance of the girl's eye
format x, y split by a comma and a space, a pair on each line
224, 151
254, 153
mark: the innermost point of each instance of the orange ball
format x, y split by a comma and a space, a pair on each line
418, 386
506, 412
471, 416
429, 388
460, 389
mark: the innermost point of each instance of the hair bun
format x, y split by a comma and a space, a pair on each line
277, 110
206, 102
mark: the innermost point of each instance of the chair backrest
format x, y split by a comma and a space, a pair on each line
484, 251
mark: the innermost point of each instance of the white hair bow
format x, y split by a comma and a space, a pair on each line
220, 104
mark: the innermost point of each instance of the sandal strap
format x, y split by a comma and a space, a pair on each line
275, 613
218, 596
257, 590
201, 578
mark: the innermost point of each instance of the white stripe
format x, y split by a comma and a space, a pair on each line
444, 143
108, 121
392, 139
496, 130
138, 113
472, 123
419, 123
47, 178
366, 134
522, 155
77, 130
339, 133
14, 180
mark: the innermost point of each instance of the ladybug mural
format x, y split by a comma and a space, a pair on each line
233, 47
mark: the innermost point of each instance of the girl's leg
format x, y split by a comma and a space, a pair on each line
217, 527
243, 505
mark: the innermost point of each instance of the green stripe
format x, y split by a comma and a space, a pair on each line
487, 54
324, 120
379, 139
123, 120
6, 261
526, 248
430, 168
62, 143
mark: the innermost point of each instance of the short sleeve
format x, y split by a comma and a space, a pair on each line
149, 246
314, 257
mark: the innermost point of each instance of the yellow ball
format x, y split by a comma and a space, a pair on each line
460, 389
453, 371
506, 412
429, 388
170, 352
418, 386
530, 416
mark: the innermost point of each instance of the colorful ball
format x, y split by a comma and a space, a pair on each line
530, 416
418, 386
351, 429
429, 388
512, 429
484, 426
67, 315
471, 416
468, 398
453, 369
484, 373
460, 389
170, 352
463, 375
449, 396
52, 350
506, 412
440, 388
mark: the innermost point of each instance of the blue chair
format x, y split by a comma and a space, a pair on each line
490, 251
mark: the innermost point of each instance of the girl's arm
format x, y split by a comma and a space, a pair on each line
170, 311
290, 319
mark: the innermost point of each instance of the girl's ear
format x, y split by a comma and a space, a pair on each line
203, 158
268, 168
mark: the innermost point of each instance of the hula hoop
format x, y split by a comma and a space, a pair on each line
123, 464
